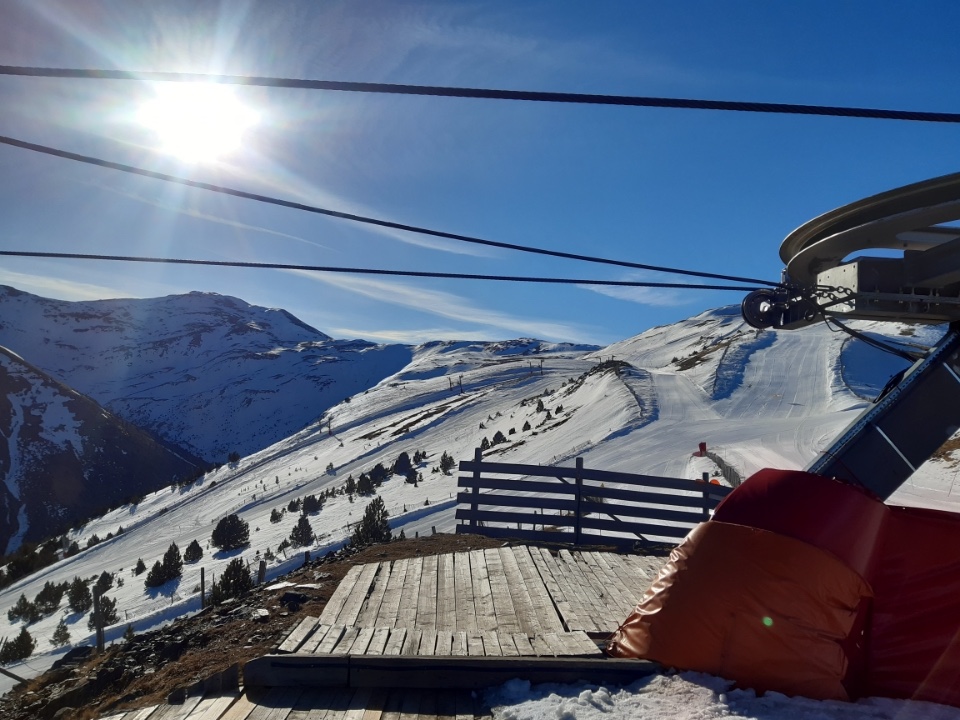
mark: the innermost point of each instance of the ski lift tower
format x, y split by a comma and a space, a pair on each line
914, 279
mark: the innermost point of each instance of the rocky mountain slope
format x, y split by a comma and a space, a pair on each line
64, 458
207, 372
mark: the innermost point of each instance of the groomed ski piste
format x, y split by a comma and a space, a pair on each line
758, 399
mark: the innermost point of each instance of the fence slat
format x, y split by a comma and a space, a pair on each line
575, 500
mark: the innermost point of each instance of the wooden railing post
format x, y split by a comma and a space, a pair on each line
475, 495
579, 500
98, 619
203, 589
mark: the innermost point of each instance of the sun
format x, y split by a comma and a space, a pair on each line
197, 122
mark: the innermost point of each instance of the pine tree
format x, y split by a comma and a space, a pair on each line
20, 648
365, 485
373, 527
402, 464
140, 568
24, 610
61, 636
108, 613
302, 533
234, 582
104, 582
193, 553
78, 596
155, 578
49, 597
129, 634
172, 562
447, 463
231, 533
275, 516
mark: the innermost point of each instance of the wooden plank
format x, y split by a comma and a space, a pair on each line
541, 647
142, 713
358, 704
314, 704
535, 536
446, 706
428, 706
330, 640
313, 642
428, 642
211, 708
276, 704
375, 705
507, 646
512, 518
444, 643
407, 612
523, 645
336, 602
491, 643
482, 592
546, 566
475, 644
391, 708
557, 646
180, 711
526, 612
617, 595
459, 647
547, 615
378, 642
298, 634
395, 641
361, 642
411, 643
346, 641
465, 706
410, 705
635, 528
601, 476
466, 611
240, 709
427, 599
390, 605
502, 595
354, 604
589, 611
371, 608
446, 593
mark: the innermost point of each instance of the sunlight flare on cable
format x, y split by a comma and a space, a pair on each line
197, 122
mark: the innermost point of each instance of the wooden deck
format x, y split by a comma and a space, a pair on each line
324, 704
398, 637
506, 601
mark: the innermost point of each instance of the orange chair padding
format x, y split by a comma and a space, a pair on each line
769, 611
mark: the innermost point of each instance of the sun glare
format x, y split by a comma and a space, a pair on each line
197, 123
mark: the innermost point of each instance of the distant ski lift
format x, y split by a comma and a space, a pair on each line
914, 278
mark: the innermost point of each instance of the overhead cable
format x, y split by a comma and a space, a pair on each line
362, 219
489, 94
364, 271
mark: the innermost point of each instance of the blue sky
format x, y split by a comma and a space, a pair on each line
691, 189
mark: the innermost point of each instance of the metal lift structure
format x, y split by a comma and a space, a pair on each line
915, 278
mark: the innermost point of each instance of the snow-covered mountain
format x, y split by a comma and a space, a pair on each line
64, 458
207, 372
641, 406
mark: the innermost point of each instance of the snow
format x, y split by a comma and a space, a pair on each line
690, 696
783, 397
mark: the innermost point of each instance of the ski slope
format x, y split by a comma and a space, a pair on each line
758, 400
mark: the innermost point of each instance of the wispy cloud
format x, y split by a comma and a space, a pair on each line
58, 287
451, 307
411, 337
190, 212
657, 297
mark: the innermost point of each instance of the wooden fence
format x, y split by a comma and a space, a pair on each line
578, 505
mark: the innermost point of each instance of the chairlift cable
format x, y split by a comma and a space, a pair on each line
56, 152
